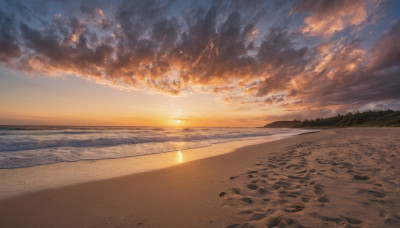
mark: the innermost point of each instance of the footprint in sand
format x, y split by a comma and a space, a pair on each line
352, 220
294, 208
276, 222
236, 191
323, 199
254, 181
246, 225
292, 194
330, 219
275, 187
252, 186
360, 177
247, 200
245, 212
292, 166
372, 193
305, 199
266, 199
298, 177
252, 172
283, 184
301, 172
262, 191
318, 189
257, 216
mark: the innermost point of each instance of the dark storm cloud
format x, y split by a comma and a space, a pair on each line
242, 50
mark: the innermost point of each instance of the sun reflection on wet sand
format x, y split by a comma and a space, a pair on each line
179, 157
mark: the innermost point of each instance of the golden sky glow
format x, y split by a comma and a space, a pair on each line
79, 102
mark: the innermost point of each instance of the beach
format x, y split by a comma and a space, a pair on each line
333, 178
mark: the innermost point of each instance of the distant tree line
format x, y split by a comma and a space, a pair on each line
377, 118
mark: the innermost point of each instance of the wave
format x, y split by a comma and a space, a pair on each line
114, 141
33, 148
57, 128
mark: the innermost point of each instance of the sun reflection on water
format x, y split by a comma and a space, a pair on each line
178, 147
179, 157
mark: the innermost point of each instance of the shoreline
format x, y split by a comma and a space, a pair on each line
187, 195
16, 182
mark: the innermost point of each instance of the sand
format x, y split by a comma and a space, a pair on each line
16, 182
333, 178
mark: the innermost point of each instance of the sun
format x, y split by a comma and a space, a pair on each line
178, 121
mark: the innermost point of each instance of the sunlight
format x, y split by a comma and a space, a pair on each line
179, 157
178, 121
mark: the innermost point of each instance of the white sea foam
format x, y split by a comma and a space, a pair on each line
33, 146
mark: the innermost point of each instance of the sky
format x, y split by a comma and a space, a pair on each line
228, 63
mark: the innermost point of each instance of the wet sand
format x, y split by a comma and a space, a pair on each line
333, 178
22, 181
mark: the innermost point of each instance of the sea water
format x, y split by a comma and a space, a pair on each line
28, 146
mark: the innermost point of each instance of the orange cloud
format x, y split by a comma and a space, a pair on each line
330, 16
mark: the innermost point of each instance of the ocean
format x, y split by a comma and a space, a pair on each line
28, 146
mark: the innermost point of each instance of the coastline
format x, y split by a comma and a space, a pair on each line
187, 195
16, 182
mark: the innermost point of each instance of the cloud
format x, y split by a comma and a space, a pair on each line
240, 50
96, 15
274, 99
9, 49
53, 54
386, 50
282, 61
330, 16
346, 81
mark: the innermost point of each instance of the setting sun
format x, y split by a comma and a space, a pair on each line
178, 121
